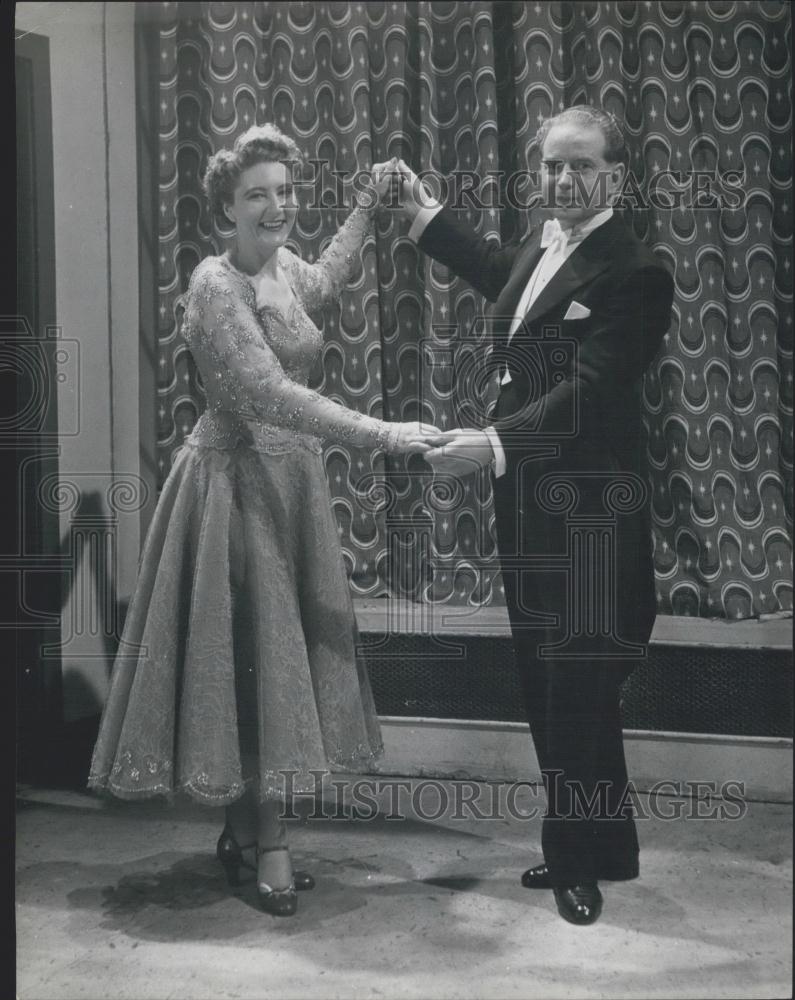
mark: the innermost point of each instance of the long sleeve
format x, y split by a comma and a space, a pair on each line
482, 263
423, 219
317, 284
222, 329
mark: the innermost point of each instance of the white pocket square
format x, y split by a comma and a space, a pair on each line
577, 311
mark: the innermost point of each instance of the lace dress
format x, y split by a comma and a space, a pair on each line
239, 644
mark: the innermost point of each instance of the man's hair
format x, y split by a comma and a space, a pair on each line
259, 144
590, 117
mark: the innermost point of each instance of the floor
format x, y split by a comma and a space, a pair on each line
118, 900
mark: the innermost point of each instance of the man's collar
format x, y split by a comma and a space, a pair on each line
581, 229
555, 233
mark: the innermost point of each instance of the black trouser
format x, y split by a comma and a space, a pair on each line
574, 713
573, 706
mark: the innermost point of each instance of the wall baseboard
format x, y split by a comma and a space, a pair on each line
407, 617
502, 751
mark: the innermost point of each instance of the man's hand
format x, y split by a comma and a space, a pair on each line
409, 193
383, 178
414, 195
462, 453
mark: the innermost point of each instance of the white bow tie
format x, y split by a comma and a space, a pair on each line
554, 233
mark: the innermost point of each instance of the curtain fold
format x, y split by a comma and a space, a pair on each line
460, 88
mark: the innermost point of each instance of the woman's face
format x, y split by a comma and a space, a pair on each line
264, 207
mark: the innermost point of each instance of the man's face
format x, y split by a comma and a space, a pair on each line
577, 180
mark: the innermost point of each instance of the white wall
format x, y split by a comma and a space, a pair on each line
92, 73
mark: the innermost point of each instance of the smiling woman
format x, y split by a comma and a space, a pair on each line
263, 211
252, 187
247, 683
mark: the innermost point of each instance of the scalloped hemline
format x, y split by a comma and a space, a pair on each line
104, 786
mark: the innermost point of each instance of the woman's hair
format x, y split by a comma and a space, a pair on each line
590, 117
259, 144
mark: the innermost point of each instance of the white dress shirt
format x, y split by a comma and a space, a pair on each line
559, 243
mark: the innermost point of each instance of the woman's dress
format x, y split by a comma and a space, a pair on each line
238, 659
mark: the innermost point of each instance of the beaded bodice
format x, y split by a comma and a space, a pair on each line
256, 358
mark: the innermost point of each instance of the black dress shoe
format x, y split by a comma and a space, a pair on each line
537, 877
579, 904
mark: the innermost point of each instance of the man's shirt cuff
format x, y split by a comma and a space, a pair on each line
423, 218
500, 462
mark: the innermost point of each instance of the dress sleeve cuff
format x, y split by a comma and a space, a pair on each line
423, 218
500, 462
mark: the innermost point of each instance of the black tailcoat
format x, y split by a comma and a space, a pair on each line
572, 510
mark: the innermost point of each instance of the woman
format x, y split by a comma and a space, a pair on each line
246, 677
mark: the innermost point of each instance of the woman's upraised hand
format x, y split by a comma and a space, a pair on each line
385, 180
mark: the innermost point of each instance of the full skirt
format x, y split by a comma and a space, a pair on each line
238, 662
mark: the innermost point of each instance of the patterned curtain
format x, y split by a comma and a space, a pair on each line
462, 87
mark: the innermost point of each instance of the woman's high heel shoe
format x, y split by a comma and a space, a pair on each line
303, 881
230, 854
277, 902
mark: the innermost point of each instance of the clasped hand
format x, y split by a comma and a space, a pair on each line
417, 438
458, 452
383, 178
412, 194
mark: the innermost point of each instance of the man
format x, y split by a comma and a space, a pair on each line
587, 294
